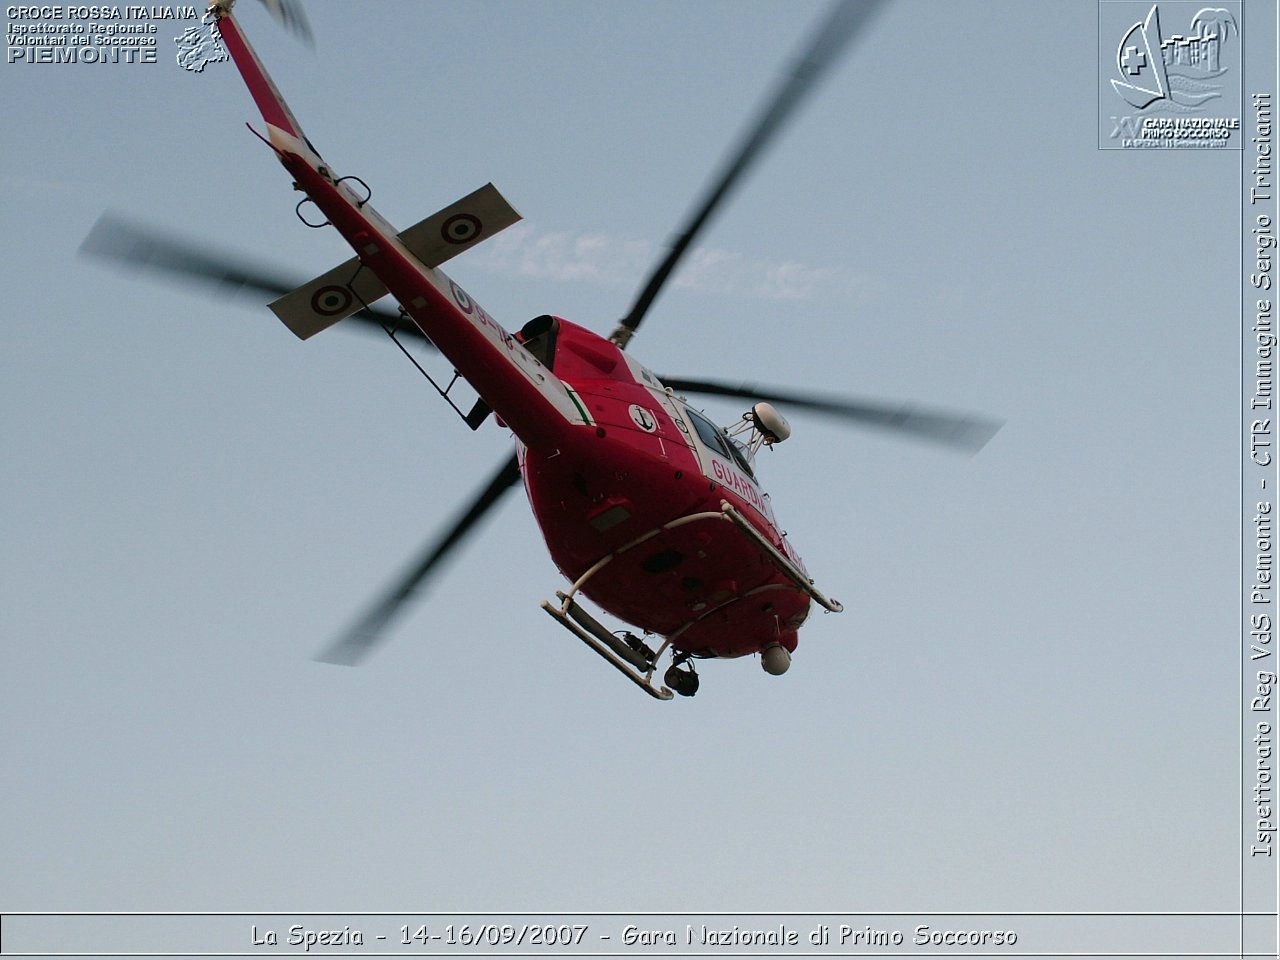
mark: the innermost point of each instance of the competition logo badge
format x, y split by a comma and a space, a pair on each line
1182, 89
1183, 69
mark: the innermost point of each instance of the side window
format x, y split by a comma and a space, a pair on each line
741, 457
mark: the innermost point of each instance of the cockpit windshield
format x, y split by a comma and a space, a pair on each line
742, 453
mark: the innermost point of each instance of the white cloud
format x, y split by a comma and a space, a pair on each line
597, 258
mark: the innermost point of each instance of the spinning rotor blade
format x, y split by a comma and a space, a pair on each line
289, 14
139, 247
369, 629
136, 246
955, 430
847, 17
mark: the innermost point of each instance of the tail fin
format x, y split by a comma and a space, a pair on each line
275, 111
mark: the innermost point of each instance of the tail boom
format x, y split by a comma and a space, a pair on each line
268, 99
524, 393
338, 293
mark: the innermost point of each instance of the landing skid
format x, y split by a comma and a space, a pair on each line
632, 664
636, 665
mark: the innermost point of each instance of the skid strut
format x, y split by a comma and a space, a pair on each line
631, 663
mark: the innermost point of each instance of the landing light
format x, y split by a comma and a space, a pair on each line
775, 659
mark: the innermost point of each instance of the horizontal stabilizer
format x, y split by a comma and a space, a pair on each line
459, 226
345, 289
331, 297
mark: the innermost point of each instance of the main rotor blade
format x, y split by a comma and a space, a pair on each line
289, 14
963, 431
831, 38
139, 247
370, 628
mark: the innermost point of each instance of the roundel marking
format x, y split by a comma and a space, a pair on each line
461, 228
331, 301
460, 297
643, 419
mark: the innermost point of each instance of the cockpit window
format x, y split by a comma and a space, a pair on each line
717, 440
709, 432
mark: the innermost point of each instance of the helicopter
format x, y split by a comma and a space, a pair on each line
650, 509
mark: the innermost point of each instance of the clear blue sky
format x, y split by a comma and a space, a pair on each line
1029, 701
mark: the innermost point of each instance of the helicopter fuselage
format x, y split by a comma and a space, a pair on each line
643, 459
651, 510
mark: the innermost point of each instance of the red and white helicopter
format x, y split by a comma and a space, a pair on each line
649, 509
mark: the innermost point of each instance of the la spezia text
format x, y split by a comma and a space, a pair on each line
561, 935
